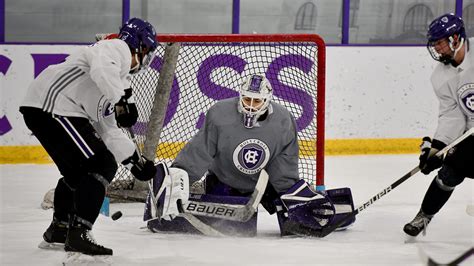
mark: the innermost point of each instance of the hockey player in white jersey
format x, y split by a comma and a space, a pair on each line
453, 84
240, 137
75, 110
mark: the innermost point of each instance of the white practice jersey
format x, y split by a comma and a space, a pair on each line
454, 87
88, 84
114, 138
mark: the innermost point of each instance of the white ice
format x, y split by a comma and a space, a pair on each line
376, 238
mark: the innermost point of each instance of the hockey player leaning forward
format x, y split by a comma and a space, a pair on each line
240, 137
70, 108
453, 84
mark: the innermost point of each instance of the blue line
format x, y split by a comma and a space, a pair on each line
458, 9
346, 8
125, 11
2, 21
235, 16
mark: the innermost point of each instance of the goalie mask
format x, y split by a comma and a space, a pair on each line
255, 96
141, 38
446, 35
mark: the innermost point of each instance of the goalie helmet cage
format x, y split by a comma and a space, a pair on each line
212, 67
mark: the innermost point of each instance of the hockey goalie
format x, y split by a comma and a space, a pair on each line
221, 165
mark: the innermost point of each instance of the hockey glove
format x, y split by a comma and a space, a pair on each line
142, 168
126, 113
428, 160
307, 211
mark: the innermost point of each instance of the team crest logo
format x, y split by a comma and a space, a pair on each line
469, 102
251, 156
109, 109
105, 109
466, 98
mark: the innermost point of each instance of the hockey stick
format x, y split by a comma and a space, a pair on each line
241, 213
327, 230
231, 212
430, 262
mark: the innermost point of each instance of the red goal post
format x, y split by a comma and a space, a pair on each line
211, 68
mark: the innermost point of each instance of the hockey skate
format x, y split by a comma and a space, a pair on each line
80, 239
55, 236
418, 224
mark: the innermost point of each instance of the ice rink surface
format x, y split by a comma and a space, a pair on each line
376, 238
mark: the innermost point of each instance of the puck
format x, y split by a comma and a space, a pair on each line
116, 215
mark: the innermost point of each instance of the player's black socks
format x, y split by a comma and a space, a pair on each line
434, 198
89, 197
63, 200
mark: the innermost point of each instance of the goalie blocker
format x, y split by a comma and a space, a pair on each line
300, 210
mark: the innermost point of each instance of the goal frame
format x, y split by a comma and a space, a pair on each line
263, 38
321, 74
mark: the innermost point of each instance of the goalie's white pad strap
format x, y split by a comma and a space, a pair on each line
297, 195
342, 208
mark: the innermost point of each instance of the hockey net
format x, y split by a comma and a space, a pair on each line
211, 68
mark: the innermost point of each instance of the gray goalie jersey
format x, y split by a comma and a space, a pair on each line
236, 154
454, 87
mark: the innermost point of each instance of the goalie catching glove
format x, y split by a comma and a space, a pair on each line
142, 168
306, 210
170, 191
303, 211
126, 113
428, 159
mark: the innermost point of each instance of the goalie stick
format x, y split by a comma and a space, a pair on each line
327, 230
241, 213
431, 262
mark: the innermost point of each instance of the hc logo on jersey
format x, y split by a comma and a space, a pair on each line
105, 109
466, 97
251, 156
109, 109
469, 101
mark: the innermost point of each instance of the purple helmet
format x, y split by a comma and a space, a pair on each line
139, 35
445, 27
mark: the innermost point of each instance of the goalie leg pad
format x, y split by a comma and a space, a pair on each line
170, 188
220, 195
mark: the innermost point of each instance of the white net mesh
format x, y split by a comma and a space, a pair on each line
209, 70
